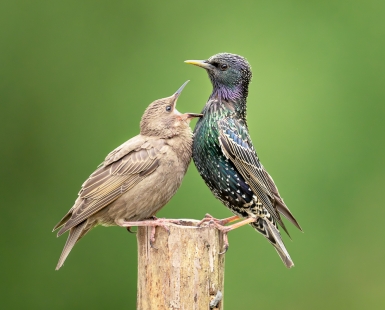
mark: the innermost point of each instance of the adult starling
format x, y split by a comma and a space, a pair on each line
226, 159
137, 178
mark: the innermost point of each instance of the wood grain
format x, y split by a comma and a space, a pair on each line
185, 271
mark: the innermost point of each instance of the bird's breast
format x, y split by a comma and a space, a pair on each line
218, 172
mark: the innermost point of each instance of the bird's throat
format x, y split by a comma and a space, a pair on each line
236, 93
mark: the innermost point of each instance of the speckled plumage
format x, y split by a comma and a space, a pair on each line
225, 157
137, 178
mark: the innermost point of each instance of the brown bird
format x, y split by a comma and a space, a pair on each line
137, 178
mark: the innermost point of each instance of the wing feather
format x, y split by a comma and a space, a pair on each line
123, 168
237, 146
281, 206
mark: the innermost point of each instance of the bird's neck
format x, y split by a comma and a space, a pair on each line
227, 93
236, 96
182, 145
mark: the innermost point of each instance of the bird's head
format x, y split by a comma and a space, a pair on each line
162, 119
230, 74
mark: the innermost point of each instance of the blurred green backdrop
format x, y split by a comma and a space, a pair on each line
75, 78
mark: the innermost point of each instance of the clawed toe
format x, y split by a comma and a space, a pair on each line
152, 245
130, 231
153, 222
225, 248
209, 218
220, 225
152, 237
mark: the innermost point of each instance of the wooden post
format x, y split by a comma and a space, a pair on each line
184, 272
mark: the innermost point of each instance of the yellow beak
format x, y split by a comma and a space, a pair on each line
200, 63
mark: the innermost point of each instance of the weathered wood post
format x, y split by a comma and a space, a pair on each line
184, 272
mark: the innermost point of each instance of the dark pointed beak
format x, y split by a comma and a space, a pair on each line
200, 63
187, 117
192, 115
179, 91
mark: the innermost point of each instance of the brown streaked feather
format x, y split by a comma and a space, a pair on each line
136, 142
63, 220
106, 178
123, 170
75, 234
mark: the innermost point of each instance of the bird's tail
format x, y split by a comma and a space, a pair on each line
75, 234
270, 231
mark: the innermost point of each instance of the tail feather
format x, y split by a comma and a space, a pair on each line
272, 234
283, 209
75, 234
278, 245
63, 220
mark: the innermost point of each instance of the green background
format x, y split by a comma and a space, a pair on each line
75, 78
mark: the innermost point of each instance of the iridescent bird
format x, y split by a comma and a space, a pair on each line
137, 178
226, 159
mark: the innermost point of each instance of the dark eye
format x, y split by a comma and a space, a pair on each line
168, 108
223, 67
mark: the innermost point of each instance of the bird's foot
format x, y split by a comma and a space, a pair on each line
152, 237
154, 222
209, 218
225, 229
157, 222
150, 222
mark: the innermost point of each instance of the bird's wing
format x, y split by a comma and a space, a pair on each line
237, 146
123, 168
124, 149
279, 203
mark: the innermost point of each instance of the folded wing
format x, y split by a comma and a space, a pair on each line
123, 168
237, 146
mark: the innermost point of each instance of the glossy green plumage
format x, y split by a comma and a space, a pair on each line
226, 159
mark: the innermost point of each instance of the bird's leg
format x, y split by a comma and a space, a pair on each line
209, 218
153, 223
226, 229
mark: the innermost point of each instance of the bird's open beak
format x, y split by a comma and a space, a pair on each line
200, 63
179, 91
192, 115
189, 116
176, 96
185, 116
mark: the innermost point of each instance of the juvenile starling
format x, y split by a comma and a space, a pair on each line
226, 159
136, 179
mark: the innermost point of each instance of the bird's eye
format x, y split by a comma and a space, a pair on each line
168, 108
223, 67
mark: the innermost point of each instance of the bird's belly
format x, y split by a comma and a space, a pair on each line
221, 176
148, 196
